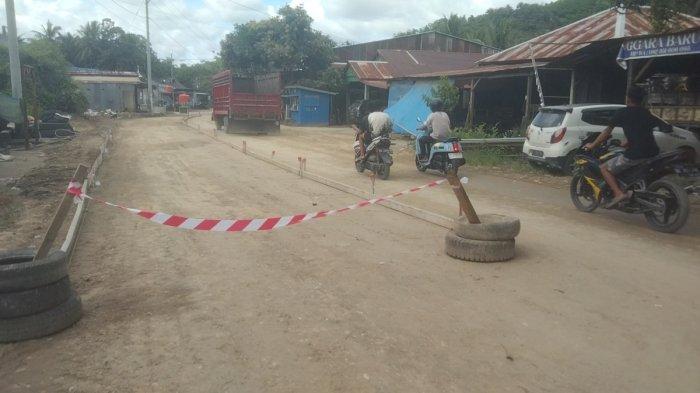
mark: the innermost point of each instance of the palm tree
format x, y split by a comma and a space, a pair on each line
89, 44
49, 31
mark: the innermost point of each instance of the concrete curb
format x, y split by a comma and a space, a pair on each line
74, 228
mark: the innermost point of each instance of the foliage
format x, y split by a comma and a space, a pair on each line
55, 89
285, 42
482, 131
198, 76
445, 91
507, 26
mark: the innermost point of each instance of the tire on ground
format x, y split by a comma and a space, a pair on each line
479, 250
42, 324
19, 272
492, 227
36, 300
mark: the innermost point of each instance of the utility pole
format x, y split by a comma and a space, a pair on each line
172, 79
15, 71
148, 61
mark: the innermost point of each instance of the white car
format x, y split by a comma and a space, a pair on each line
558, 131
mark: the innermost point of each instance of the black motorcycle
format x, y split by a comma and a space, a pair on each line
655, 193
377, 155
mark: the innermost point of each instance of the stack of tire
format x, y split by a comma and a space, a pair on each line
493, 240
36, 298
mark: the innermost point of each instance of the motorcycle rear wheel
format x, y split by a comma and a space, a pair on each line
383, 172
676, 212
360, 166
582, 194
420, 167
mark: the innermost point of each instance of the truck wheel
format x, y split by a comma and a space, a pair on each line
19, 272
42, 324
492, 227
479, 250
33, 301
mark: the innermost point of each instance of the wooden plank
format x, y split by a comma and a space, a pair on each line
60, 216
465, 205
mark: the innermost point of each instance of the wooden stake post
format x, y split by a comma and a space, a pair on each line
63, 208
465, 206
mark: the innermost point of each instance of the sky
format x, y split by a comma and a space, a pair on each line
191, 30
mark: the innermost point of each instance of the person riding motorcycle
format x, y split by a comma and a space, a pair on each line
637, 123
369, 125
438, 123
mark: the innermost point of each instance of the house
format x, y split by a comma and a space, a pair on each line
391, 78
307, 106
115, 90
572, 64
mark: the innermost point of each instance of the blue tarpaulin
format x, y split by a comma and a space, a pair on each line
406, 102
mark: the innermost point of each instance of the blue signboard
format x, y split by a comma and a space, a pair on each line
659, 46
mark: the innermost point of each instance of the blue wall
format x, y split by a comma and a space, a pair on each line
406, 103
313, 108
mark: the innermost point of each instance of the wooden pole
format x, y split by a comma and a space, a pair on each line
572, 92
60, 216
528, 103
465, 205
470, 115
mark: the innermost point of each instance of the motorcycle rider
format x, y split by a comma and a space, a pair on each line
638, 124
438, 123
370, 124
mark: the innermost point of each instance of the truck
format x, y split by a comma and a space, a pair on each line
247, 104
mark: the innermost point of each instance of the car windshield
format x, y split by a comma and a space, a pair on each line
548, 118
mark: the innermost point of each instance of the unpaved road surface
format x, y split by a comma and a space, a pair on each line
361, 302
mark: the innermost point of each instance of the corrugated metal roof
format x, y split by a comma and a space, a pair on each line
406, 63
371, 70
598, 27
476, 71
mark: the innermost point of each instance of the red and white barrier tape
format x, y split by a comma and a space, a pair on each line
238, 225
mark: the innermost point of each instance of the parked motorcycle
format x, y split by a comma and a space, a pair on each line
655, 193
444, 156
377, 155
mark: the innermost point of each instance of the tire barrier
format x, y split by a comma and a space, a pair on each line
239, 225
36, 298
492, 240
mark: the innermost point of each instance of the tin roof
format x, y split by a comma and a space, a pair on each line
407, 63
570, 38
487, 69
310, 89
371, 70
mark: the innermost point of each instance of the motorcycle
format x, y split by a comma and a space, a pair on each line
377, 156
655, 194
445, 156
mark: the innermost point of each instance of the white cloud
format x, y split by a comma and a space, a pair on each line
192, 29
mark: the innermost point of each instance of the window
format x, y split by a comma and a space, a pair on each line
294, 103
598, 117
549, 118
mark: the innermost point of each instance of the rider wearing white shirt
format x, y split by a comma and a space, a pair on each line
438, 123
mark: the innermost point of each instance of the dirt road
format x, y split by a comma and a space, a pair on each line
363, 302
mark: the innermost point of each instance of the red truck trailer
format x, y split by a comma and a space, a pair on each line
244, 105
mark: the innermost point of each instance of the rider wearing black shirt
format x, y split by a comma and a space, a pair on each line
638, 124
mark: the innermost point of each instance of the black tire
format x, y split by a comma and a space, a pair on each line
492, 227
383, 171
568, 164
580, 188
19, 272
676, 214
359, 166
33, 301
419, 166
536, 164
479, 250
42, 324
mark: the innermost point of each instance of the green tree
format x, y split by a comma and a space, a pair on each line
54, 88
49, 31
445, 91
285, 42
